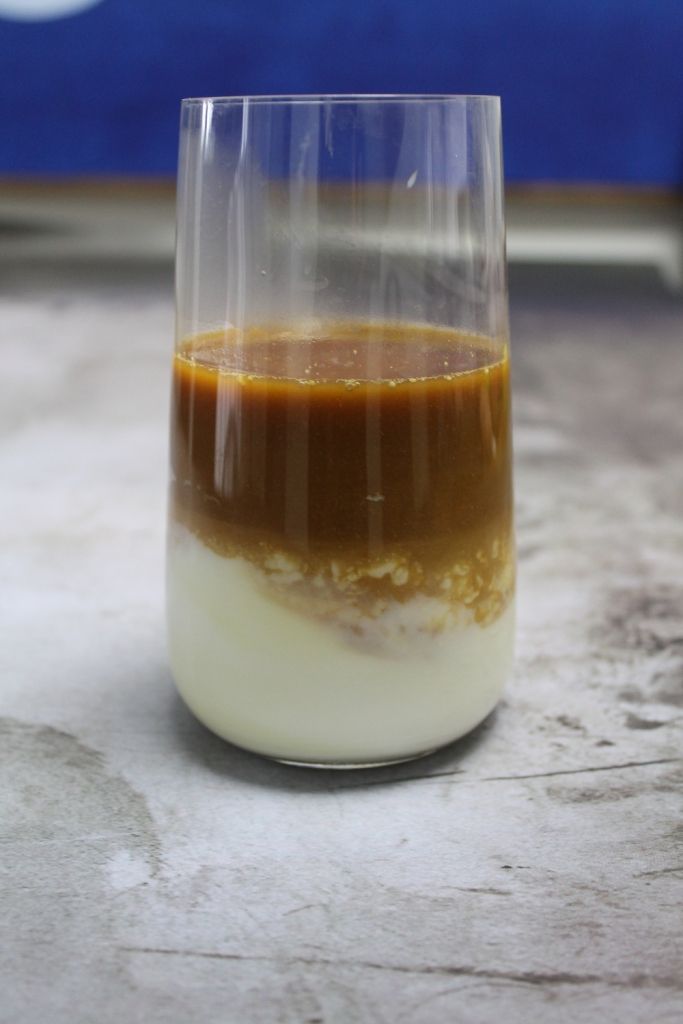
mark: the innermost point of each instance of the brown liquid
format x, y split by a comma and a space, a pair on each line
373, 458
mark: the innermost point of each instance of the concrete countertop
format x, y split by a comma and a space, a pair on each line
152, 873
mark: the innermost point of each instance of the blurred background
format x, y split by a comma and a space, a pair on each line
592, 95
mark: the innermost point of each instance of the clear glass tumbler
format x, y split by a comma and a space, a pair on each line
341, 551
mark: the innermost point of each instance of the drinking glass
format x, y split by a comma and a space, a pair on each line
340, 570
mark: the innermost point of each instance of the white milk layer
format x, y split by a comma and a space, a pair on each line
282, 683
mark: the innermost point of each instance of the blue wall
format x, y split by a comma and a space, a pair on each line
592, 89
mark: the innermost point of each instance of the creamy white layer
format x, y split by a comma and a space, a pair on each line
282, 683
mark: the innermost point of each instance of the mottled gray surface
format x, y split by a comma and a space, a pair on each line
151, 873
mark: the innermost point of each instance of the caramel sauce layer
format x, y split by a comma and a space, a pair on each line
364, 463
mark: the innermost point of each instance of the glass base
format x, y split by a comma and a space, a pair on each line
350, 765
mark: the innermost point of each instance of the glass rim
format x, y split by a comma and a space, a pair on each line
320, 98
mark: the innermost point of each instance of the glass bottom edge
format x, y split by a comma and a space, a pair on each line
351, 765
